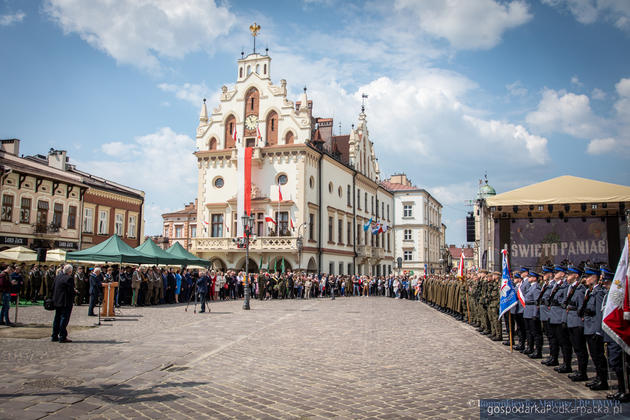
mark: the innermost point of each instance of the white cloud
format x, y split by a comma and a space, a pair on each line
193, 93
600, 146
587, 12
567, 113
467, 24
141, 32
576, 81
622, 105
11, 18
160, 163
516, 89
598, 94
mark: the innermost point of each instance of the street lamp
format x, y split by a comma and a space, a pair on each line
299, 243
248, 226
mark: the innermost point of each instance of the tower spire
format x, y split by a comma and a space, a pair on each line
203, 115
254, 29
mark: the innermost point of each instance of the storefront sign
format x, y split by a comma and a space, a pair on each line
66, 244
13, 240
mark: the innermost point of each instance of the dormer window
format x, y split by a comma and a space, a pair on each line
265, 69
249, 70
257, 68
241, 72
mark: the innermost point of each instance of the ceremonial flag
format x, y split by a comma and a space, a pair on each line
258, 130
508, 295
234, 134
519, 294
460, 269
275, 265
270, 220
616, 318
282, 266
226, 227
367, 225
291, 220
376, 228
260, 264
279, 193
384, 227
244, 191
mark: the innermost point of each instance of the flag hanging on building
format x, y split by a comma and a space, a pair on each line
367, 225
291, 220
282, 266
507, 293
616, 318
279, 193
260, 264
259, 136
244, 192
376, 228
460, 269
270, 220
384, 227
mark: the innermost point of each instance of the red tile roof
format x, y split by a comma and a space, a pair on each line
457, 252
390, 186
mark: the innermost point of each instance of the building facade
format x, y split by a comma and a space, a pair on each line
319, 189
49, 203
180, 226
418, 228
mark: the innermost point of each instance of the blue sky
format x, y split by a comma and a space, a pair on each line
523, 90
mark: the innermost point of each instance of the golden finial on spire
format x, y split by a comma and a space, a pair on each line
254, 29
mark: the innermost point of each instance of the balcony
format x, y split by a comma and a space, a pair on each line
260, 244
43, 228
364, 251
378, 253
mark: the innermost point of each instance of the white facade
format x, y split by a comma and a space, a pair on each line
321, 190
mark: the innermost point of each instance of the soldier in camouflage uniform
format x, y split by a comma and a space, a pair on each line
493, 307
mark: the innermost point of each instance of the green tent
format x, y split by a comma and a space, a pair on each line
113, 250
161, 256
178, 251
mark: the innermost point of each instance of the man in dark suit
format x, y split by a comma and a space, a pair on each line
63, 299
96, 286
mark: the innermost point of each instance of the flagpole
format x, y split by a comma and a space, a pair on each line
510, 326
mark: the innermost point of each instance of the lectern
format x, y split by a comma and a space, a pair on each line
107, 308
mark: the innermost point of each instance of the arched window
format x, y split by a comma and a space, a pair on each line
257, 68
249, 69
213, 144
265, 69
288, 139
230, 124
240, 73
272, 128
251, 101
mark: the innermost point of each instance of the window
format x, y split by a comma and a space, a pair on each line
340, 230
349, 196
359, 199
311, 182
330, 187
407, 210
217, 226
330, 229
388, 248
366, 207
42, 212
166, 231
377, 208
311, 226
407, 233
340, 269
57, 214
282, 179
251, 104
260, 224
218, 183
349, 233
102, 222
131, 227
382, 209
407, 256
119, 224
331, 268
7, 208
372, 201
283, 223
265, 69
25, 210
88, 220
339, 192
388, 212
72, 217
178, 231
240, 72
359, 230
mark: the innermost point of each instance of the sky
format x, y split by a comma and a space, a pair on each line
521, 90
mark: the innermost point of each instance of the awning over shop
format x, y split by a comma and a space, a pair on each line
563, 190
18, 254
113, 250
161, 256
178, 251
56, 255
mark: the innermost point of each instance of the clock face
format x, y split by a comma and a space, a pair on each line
251, 121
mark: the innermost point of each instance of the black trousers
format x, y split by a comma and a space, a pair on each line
509, 322
534, 334
615, 354
562, 335
521, 328
596, 349
578, 342
60, 323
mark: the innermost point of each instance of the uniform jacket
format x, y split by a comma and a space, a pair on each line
593, 311
63, 291
531, 298
573, 305
556, 302
96, 284
544, 309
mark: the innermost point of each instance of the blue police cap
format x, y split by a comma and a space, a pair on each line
524, 269
607, 276
559, 267
591, 270
605, 270
574, 269
534, 274
517, 276
547, 269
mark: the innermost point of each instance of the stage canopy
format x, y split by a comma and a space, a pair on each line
178, 251
113, 250
162, 257
563, 190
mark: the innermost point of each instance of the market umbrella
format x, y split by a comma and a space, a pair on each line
191, 259
162, 257
19, 254
113, 250
56, 255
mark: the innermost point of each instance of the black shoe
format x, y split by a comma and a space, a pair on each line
623, 398
485, 333
600, 386
65, 340
520, 348
11, 324
528, 351
563, 369
535, 356
91, 315
580, 377
496, 339
553, 363
506, 343
591, 383
54, 339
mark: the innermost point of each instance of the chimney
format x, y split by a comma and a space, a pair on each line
57, 159
11, 146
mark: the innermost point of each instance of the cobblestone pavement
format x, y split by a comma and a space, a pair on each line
348, 358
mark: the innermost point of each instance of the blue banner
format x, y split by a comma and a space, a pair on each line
508, 292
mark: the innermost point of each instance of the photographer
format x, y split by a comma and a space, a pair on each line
6, 283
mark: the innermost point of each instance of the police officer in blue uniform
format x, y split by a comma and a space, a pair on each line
543, 309
575, 323
591, 311
557, 319
532, 317
525, 344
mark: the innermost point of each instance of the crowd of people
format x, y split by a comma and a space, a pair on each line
562, 303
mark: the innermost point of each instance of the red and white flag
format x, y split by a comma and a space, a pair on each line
519, 293
291, 220
244, 191
616, 318
234, 134
270, 220
460, 269
279, 193
258, 130
226, 227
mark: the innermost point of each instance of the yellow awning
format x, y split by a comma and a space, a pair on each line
563, 190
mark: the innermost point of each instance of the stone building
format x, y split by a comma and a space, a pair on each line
180, 226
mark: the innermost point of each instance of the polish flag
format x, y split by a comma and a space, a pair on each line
270, 220
460, 269
519, 294
279, 193
616, 318
244, 192
258, 130
226, 227
291, 220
